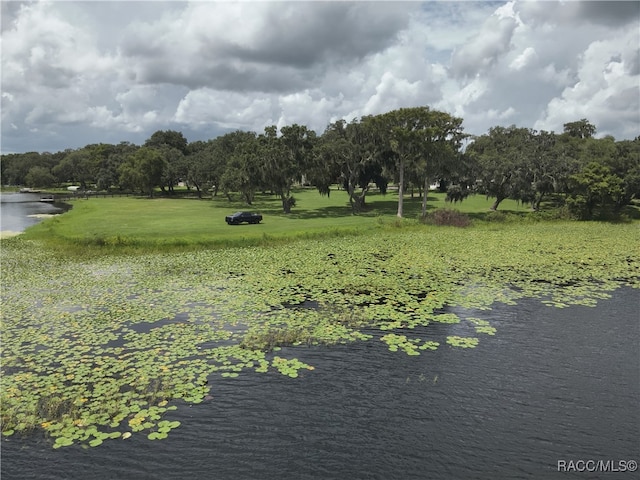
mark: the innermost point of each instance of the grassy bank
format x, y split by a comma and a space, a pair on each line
128, 223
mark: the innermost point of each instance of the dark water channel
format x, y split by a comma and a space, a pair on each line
21, 210
552, 385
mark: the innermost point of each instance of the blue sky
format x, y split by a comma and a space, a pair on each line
75, 73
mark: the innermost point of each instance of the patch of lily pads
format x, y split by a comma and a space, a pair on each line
462, 342
482, 326
105, 348
411, 346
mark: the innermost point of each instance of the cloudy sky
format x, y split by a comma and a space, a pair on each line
75, 73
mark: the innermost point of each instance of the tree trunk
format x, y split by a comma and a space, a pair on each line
286, 208
401, 188
535, 205
287, 202
351, 191
425, 194
494, 207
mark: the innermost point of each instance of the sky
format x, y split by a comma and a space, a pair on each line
78, 73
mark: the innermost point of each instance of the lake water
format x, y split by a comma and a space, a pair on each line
21, 210
553, 385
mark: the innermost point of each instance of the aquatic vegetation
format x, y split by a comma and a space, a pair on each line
289, 367
463, 342
482, 326
107, 347
409, 346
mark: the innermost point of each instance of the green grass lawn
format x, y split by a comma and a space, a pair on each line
181, 222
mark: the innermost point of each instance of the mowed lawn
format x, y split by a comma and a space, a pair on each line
182, 221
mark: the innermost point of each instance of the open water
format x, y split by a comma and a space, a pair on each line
552, 386
21, 210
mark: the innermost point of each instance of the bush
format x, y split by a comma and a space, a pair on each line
455, 193
556, 213
497, 217
578, 207
447, 217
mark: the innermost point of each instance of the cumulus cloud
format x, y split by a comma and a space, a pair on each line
51, 69
45, 50
485, 49
604, 89
233, 111
75, 73
524, 59
258, 46
600, 12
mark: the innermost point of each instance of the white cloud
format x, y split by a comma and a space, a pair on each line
551, 75
457, 97
263, 47
232, 110
309, 108
524, 59
486, 48
83, 72
603, 89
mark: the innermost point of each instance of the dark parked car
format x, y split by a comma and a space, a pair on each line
239, 217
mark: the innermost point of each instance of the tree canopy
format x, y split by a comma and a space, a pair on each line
408, 148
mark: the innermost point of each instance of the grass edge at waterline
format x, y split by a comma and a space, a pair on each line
131, 224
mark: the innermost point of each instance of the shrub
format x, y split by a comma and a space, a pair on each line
556, 213
456, 193
447, 217
496, 216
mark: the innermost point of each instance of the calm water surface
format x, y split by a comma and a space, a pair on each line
553, 384
19, 210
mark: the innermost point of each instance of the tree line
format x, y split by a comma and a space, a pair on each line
408, 148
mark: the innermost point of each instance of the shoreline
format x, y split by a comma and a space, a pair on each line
42, 215
9, 233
